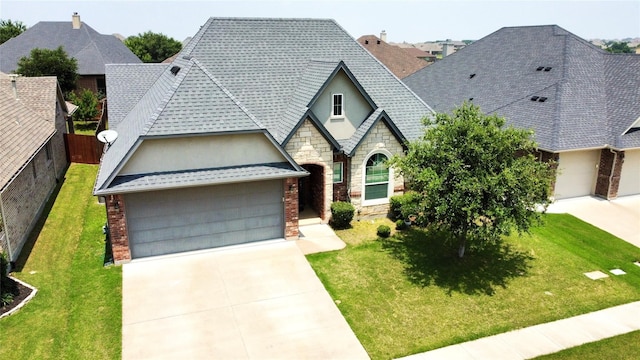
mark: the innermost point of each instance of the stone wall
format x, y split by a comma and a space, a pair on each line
609, 170
381, 139
118, 233
308, 146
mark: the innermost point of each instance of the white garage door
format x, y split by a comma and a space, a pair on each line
171, 221
577, 174
630, 175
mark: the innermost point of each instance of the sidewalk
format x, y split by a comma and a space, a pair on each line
545, 338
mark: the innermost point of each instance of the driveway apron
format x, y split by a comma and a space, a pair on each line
253, 302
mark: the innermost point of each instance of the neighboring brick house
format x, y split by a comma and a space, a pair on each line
582, 102
92, 49
32, 124
398, 60
253, 120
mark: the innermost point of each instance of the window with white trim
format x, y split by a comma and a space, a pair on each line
337, 172
376, 183
336, 105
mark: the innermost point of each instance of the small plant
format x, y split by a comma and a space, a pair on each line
383, 231
6, 299
400, 225
341, 214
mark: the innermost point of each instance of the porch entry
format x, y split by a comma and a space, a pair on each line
311, 192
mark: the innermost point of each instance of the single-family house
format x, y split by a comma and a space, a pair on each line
32, 123
91, 49
254, 120
581, 102
398, 60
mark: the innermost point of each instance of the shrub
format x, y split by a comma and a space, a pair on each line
383, 231
400, 225
401, 206
87, 104
341, 214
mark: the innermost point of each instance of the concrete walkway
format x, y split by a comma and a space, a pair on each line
544, 339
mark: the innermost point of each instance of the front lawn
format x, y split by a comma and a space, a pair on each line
409, 294
77, 311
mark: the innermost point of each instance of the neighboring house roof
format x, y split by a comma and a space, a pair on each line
27, 120
397, 59
92, 49
419, 53
584, 96
253, 75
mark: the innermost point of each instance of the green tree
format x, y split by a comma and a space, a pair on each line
476, 178
45, 62
87, 104
618, 47
153, 47
10, 29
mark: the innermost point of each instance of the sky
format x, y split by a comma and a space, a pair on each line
404, 20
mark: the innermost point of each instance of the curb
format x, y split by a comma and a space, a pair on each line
25, 301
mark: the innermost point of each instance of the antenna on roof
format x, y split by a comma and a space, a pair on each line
107, 136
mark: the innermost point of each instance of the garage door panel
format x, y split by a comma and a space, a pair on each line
630, 174
577, 173
172, 221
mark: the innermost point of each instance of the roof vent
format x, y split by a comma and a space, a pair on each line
548, 68
378, 42
534, 98
542, 99
175, 69
366, 41
472, 76
470, 99
539, 68
187, 57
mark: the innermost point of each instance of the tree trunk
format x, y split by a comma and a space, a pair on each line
462, 246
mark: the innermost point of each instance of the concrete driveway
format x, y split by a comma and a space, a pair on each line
254, 302
620, 217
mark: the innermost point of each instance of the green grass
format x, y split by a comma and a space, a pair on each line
77, 311
85, 127
410, 293
621, 347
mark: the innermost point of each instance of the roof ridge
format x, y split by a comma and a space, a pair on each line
165, 99
228, 93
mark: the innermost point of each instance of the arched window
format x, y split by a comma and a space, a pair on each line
376, 183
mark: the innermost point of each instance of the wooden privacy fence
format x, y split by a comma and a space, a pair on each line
84, 149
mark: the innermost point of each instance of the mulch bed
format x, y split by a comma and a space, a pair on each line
20, 292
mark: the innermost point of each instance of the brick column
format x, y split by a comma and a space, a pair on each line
291, 231
545, 156
340, 189
117, 221
609, 169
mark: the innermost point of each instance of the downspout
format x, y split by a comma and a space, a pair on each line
613, 168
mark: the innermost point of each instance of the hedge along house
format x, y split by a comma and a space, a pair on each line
254, 119
582, 102
33, 159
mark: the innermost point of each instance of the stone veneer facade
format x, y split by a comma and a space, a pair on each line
380, 139
308, 146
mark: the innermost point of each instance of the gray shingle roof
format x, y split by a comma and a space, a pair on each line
92, 49
172, 179
127, 83
253, 74
591, 95
26, 123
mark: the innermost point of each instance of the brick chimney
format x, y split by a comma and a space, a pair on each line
75, 21
383, 36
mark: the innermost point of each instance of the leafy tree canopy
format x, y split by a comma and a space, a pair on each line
618, 47
45, 62
476, 178
153, 47
10, 29
87, 104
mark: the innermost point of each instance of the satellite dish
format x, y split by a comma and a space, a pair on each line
107, 136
